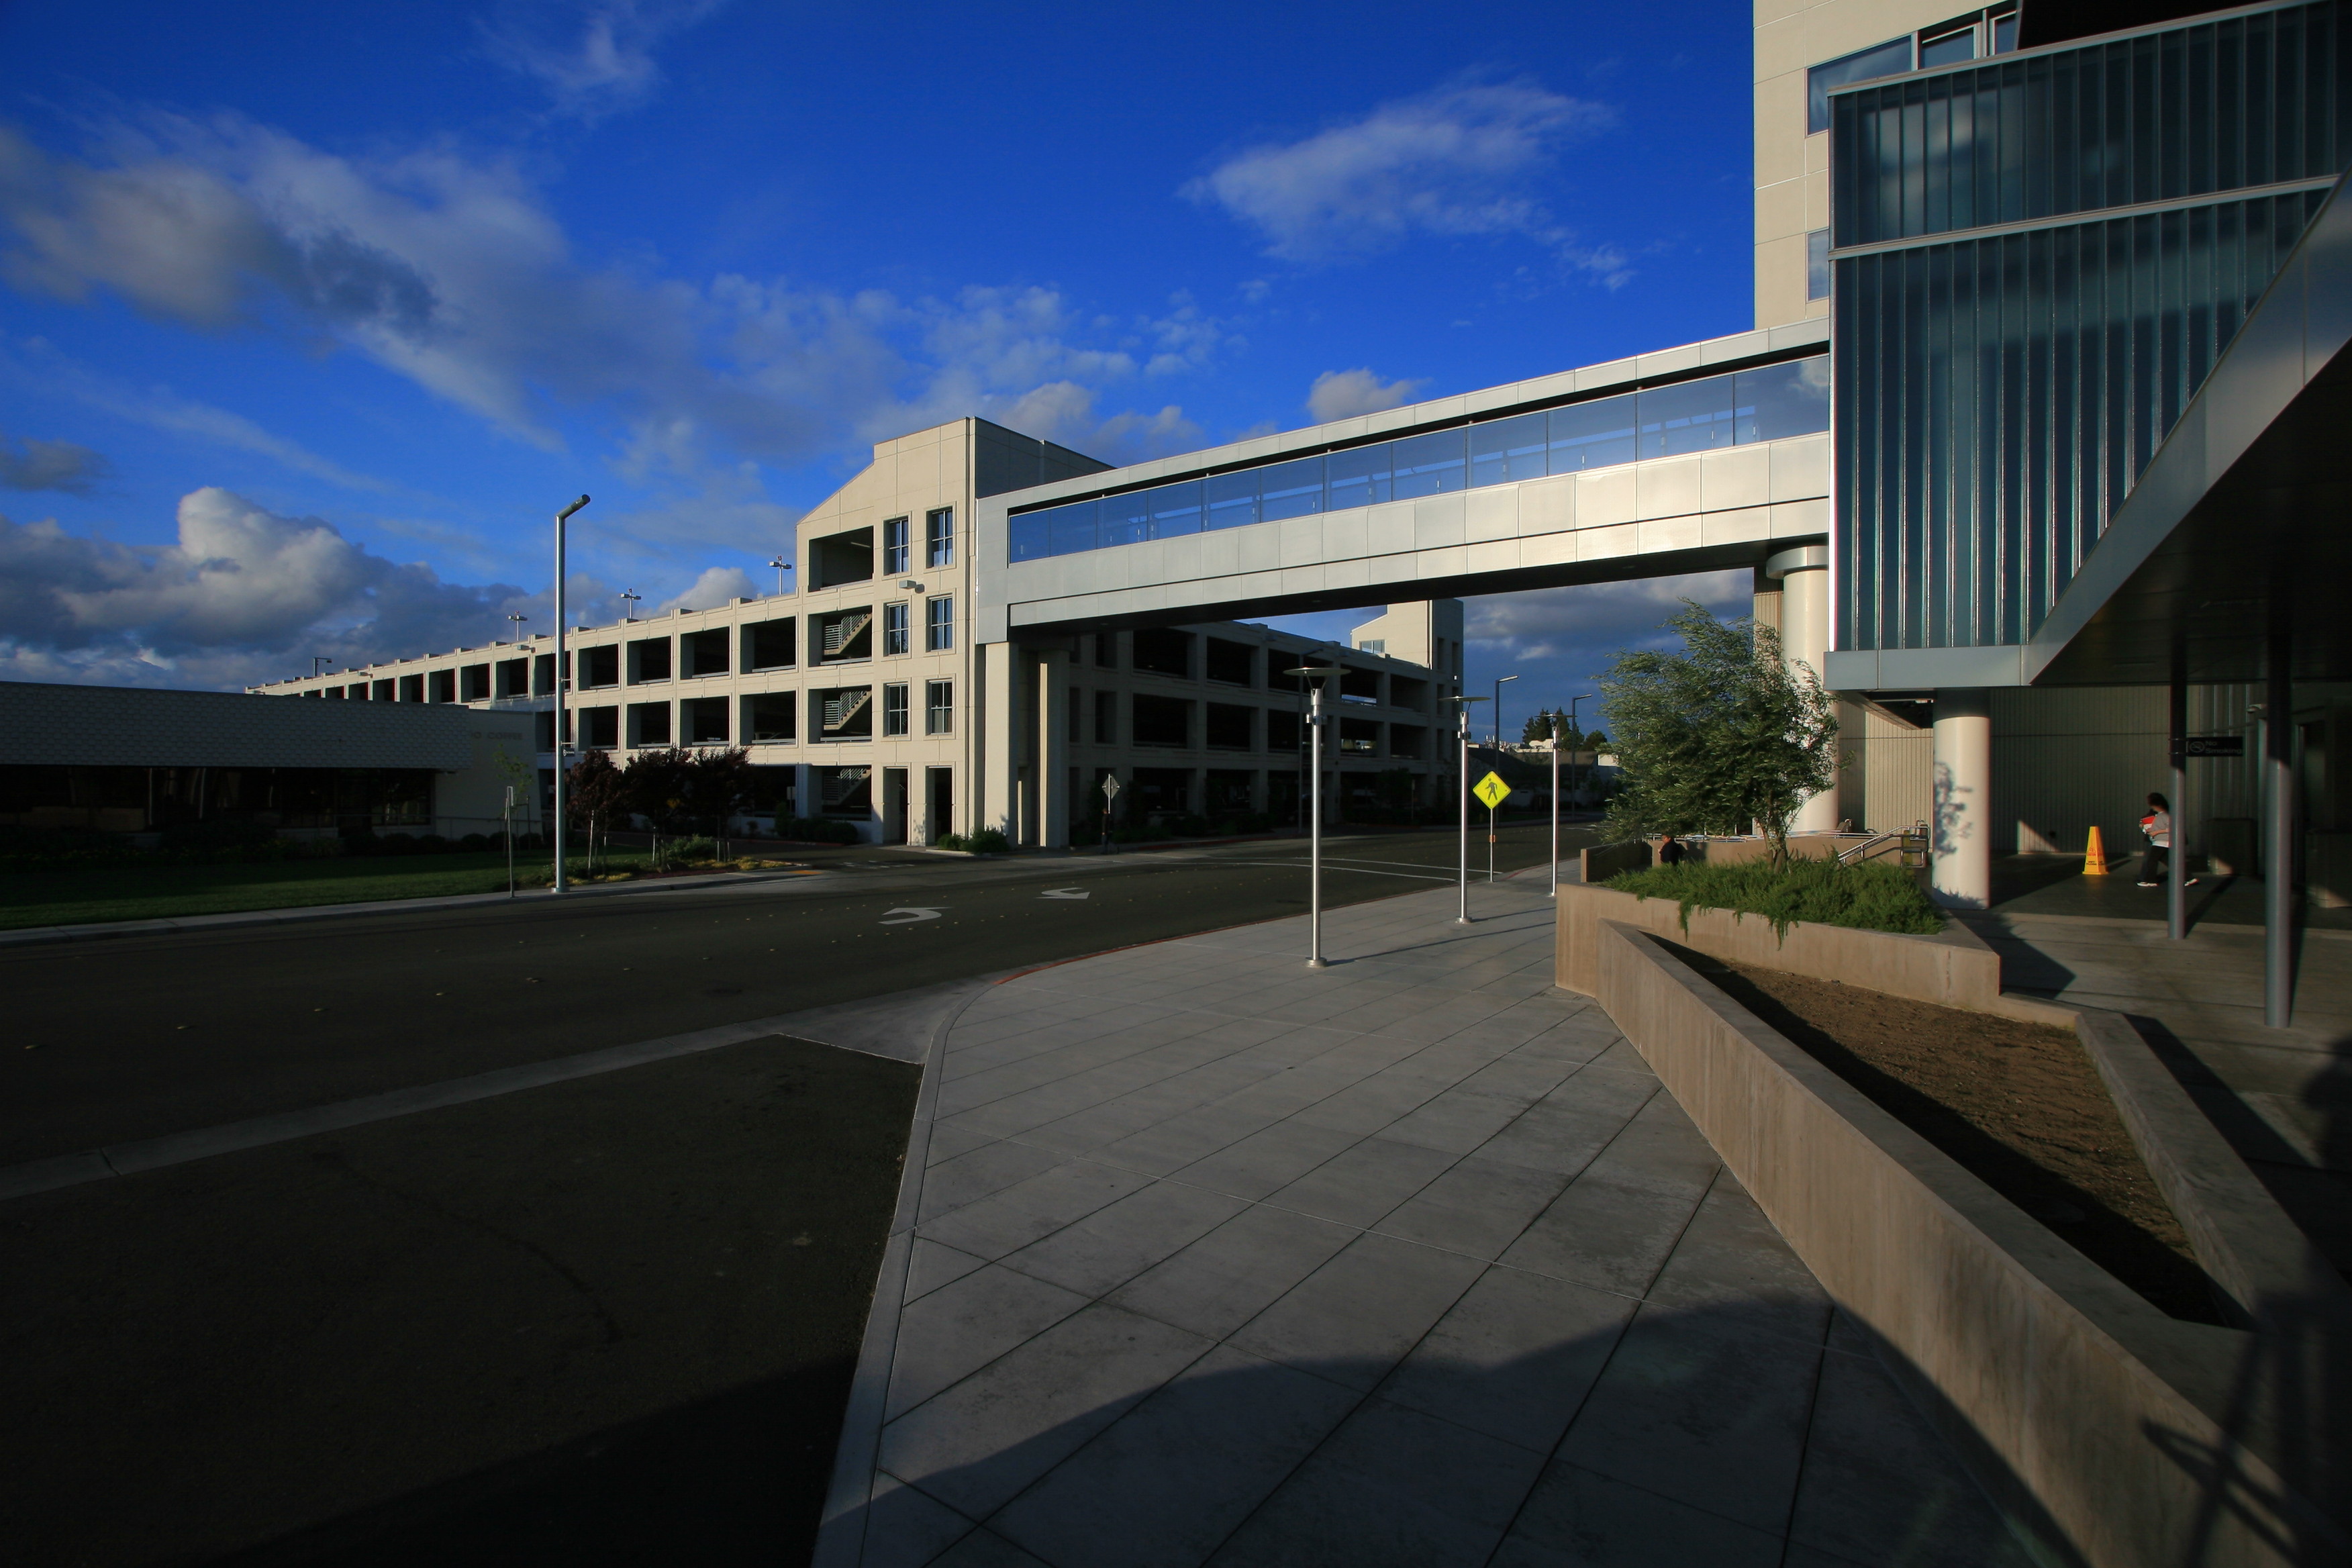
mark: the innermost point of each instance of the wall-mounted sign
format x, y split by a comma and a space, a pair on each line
2210, 745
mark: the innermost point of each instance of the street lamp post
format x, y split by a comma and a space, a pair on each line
782, 566
1555, 808
631, 597
1462, 910
1576, 742
1499, 748
1321, 673
562, 680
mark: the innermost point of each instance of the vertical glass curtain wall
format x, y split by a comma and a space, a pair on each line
1744, 406
2221, 106
1997, 397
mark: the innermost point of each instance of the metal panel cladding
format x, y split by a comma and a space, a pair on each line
2228, 105
1997, 397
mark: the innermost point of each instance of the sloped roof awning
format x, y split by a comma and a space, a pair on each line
2242, 527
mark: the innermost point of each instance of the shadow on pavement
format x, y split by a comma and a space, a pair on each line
610, 1320
1707, 1433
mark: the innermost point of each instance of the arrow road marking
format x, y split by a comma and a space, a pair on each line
1062, 893
909, 917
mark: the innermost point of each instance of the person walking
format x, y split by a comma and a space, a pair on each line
2156, 828
1669, 852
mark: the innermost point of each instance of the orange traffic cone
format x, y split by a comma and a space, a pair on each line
2094, 856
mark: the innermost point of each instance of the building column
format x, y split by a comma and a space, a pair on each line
2279, 827
1053, 752
1960, 837
995, 793
1803, 574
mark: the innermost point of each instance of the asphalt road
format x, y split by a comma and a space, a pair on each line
133, 1038
605, 1321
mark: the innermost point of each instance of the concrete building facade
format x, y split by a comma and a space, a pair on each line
862, 696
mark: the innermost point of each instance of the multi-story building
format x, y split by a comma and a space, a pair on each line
860, 695
2009, 263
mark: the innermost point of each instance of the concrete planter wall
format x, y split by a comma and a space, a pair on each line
1952, 969
2120, 1436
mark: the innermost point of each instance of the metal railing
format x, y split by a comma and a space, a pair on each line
1913, 839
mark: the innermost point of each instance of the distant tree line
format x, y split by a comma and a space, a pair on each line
1546, 722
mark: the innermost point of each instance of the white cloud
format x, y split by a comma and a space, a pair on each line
36, 465
1064, 412
1344, 394
717, 586
159, 408
592, 59
1465, 159
1575, 632
450, 271
241, 589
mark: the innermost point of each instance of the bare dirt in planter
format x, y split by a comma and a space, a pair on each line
2019, 1105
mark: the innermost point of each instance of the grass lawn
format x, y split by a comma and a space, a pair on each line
163, 892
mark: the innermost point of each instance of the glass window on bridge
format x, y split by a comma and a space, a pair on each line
1733, 409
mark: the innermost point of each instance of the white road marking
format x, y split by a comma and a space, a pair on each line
909, 917
1062, 893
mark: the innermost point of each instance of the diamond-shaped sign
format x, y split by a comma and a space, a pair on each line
1111, 786
1492, 790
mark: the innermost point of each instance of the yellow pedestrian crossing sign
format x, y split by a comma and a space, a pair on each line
1492, 790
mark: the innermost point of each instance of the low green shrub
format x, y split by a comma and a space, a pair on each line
1867, 897
988, 841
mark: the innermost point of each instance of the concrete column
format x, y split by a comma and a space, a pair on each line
995, 794
2279, 830
1961, 835
1803, 574
1053, 750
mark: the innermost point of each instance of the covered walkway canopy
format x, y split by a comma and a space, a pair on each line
2232, 559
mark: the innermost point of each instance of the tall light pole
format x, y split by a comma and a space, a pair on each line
1555, 806
782, 566
1576, 742
1462, 910
562, 680
1575, 769
318, 661
630, 596
1321, 674
1498, 747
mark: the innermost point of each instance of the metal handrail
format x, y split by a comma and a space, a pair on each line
1904, 834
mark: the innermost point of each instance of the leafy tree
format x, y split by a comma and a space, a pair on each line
1719, 736
595, 791
657, 789
719, 784
1540, 727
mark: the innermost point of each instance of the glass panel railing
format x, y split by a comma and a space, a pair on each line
1749, 406
1233, 498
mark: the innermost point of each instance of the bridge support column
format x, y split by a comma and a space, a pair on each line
1053, 751
995, 788
1960, 837
1803, 574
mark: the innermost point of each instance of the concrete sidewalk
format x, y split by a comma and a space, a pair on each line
1207, 1256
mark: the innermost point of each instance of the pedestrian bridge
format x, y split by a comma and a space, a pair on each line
1695, 459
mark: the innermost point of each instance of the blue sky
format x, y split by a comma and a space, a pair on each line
309, 316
